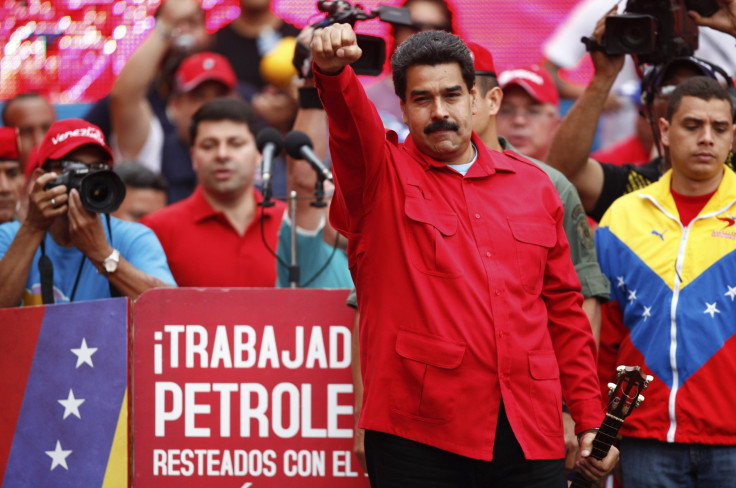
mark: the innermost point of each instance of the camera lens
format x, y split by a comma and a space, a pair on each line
102, 191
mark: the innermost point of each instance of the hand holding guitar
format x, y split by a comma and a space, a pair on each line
600, 456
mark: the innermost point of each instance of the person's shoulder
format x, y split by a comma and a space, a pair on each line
525, 165
166, 214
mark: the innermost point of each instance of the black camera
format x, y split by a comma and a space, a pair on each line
655, 31
101, 190
374, 48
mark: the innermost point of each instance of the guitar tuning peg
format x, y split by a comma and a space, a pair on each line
649, 378
621, 368
611, 388
640, 398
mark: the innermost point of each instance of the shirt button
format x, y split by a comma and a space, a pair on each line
497, 292
488, 254
477, 216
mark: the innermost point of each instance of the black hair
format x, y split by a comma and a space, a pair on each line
701, 87
224, 108
485, 83
136, 175
431, 48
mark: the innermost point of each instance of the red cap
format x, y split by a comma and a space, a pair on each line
482, 59
534, 80
64, 136
201, 67
8, 144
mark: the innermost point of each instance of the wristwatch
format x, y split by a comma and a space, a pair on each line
110, 264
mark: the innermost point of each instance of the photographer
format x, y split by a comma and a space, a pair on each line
600, 183
62, 252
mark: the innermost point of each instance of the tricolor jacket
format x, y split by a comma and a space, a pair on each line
673, 311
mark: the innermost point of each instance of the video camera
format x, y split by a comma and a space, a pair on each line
101, 190
374, 48
655, 31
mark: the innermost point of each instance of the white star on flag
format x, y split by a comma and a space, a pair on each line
632, 295
71, 405
621, 283
84, 354
712, 310
731, 292
58, 457
647, 313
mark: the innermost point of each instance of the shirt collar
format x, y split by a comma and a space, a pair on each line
202, 210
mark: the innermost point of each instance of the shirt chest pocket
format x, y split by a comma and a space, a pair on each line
432, 243
532, 241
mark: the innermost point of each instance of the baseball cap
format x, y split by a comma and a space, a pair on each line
534, 80
64, 136
482, 59
201, 67
8, 144
654, 79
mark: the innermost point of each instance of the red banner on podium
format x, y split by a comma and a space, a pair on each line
243, 388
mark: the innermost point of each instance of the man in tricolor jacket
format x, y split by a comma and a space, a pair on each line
669, 251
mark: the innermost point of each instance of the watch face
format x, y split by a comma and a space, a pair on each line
111, 265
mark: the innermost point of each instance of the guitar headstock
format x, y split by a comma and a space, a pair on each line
626, 392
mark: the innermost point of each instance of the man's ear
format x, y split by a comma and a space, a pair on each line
495, 97
664, 131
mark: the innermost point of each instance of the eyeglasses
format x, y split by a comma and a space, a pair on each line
531, 113
58, 165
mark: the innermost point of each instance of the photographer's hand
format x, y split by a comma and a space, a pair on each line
45, 205
334, 47
86, 231
723, 20
16, 263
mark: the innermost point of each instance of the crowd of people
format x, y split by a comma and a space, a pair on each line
500, 269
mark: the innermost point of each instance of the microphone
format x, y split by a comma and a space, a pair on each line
269, 143
299, 146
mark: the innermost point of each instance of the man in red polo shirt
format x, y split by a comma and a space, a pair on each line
213, 237
471, 326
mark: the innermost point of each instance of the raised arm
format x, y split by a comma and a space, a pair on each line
723, 20
569, 151
130, 111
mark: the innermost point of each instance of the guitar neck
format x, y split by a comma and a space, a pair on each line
601, 445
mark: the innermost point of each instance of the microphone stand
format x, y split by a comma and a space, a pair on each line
319, 192
294, 267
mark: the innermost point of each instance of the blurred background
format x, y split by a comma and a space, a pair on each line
72, 50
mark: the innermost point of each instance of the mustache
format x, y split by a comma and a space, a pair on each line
441, 125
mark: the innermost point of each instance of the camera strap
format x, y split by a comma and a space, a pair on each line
46, 270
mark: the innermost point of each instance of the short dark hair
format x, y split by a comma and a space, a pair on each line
224, 108
431, 48
20, 96
701, 87
136, 175
485, 83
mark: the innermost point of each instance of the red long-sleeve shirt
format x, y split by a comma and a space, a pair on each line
466, 289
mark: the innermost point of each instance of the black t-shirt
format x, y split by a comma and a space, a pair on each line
623, 179
243, 52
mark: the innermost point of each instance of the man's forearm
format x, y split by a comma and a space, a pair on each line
131, 282
570, 147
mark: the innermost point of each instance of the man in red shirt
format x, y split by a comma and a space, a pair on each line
471, 327
213, 237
